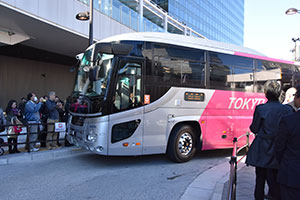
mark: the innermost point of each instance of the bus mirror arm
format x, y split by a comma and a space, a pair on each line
95, 73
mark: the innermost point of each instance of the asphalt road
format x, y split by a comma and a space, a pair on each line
91, 176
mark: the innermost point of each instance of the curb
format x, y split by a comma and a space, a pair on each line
212, 184
41, 155
209, 184
223, 183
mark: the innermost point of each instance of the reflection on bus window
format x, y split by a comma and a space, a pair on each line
178, 66
128, 89
267, 70
241, 79
218, 76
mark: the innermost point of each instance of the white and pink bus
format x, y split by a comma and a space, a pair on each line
156, 93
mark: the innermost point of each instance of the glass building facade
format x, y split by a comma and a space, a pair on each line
152, 19
124, 14
221, 20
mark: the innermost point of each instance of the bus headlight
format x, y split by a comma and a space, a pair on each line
99, 149
92, 137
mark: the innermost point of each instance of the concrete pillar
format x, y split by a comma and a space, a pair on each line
141, 13
166, 22
185, 30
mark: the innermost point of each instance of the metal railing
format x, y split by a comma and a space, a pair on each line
231, 195
26, 131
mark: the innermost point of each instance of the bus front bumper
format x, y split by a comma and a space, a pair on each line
92, 141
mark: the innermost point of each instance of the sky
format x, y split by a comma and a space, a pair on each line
269, 30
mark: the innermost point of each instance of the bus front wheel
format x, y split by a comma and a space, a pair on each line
182, 144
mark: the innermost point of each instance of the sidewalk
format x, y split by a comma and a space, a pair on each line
213, 183
245, 183
40, 155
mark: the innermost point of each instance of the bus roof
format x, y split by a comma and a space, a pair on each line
193, 42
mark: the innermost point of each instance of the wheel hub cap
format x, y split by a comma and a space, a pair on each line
185, 143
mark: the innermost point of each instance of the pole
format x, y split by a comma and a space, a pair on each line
295, 50
91, 23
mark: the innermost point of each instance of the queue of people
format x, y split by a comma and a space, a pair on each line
275, 151
33, 112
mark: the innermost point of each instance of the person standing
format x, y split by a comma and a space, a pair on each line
289, 98
32, 116
288, 153
2, 121
44, 116
13, 113
12, 110
261, 154
53, 117
22, 105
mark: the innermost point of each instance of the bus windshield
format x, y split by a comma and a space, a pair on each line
97, 88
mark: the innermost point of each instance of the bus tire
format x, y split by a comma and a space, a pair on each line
182, 144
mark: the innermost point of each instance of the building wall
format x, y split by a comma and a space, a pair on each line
18, 77
62, 13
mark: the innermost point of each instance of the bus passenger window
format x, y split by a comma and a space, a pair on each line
192, 74
242, 79
219, 76
270, 71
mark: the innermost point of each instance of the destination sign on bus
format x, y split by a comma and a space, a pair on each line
193, 96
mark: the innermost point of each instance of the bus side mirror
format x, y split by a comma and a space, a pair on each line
95, 73
79, 56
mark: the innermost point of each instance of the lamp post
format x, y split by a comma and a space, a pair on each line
88, 15
292, 11
295, 50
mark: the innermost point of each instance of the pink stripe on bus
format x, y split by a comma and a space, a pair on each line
263, 57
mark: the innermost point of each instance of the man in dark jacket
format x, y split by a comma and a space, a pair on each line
288, 153
262, 151
22, 105
53, 117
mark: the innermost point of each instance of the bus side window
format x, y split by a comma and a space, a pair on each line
178, 66
219, 76
270, 71
128, 89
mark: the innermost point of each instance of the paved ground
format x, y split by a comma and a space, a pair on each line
48, 175
245, 183
70, 173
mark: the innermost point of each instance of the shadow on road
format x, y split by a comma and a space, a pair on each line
161, 159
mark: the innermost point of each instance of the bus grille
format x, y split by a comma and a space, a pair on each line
78, 121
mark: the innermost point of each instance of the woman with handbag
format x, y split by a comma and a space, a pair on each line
13, 113
12, 135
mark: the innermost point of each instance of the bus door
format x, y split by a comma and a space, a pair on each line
126, 121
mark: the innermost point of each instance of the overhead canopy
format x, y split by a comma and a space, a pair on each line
16, 27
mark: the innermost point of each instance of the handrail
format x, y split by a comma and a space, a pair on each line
28, 132
231, 195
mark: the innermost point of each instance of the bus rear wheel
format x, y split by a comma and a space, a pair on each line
182, 144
